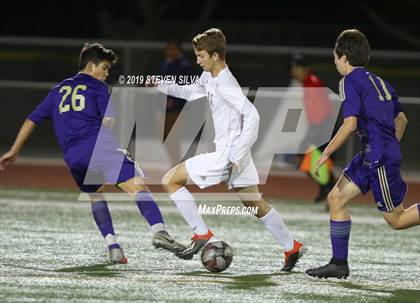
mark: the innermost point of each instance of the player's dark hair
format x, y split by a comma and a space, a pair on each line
212, 41
96, 53
354, 45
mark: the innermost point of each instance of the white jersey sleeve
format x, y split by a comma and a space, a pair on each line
188, 92
234, 96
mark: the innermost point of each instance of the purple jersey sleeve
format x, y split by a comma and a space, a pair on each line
43, 111
351, 98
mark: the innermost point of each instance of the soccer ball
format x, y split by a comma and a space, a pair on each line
216, 256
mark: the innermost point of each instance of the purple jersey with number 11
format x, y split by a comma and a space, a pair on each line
377, 168
375, 104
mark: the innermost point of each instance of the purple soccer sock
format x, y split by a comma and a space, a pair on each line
103, 219
148, 208
340, 235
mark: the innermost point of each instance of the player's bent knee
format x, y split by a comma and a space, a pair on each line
133, 186
95, 197
166, 178
332, 198
395, 224
335, 200
139, 187
175, 178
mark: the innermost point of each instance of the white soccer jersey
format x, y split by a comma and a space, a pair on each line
235, 118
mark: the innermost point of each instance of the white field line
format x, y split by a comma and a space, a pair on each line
307, 214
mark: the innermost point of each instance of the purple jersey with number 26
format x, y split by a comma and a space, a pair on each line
76, 106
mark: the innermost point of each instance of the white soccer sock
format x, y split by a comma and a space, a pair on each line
274, 223
157, 227
110, 239
188, 208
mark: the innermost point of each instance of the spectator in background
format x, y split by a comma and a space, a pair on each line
175, 64
320, 116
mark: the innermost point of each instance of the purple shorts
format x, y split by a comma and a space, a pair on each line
106, 165
384, 180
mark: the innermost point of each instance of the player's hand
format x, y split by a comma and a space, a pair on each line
7, 159
324, 157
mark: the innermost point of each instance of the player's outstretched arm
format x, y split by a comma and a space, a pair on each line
400, 124
348, 127
25, 131
189, 92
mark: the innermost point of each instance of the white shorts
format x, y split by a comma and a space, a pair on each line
212, 168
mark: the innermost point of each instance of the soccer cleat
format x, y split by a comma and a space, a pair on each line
197, 243
162, 239
292, 257
330, 270
116, 255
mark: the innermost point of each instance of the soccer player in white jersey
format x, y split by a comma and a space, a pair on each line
236, 124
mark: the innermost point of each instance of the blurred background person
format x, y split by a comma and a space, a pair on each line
320, 117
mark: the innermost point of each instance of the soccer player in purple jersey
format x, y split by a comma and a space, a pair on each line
77, 107
370, 106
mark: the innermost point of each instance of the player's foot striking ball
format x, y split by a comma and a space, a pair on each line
331, 270
197, 243
216, 256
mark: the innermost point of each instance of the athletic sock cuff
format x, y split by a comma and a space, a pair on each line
181, 195
340, 228
99, 205
144, 196
268, 215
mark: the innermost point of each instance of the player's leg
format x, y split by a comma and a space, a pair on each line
268, 215
147, 206
389, 190
401, 218
138, 191
99, 207
340, 222
174, 183
340, 225
272, 220
103, 221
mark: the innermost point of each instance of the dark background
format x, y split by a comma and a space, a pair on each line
388, 24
